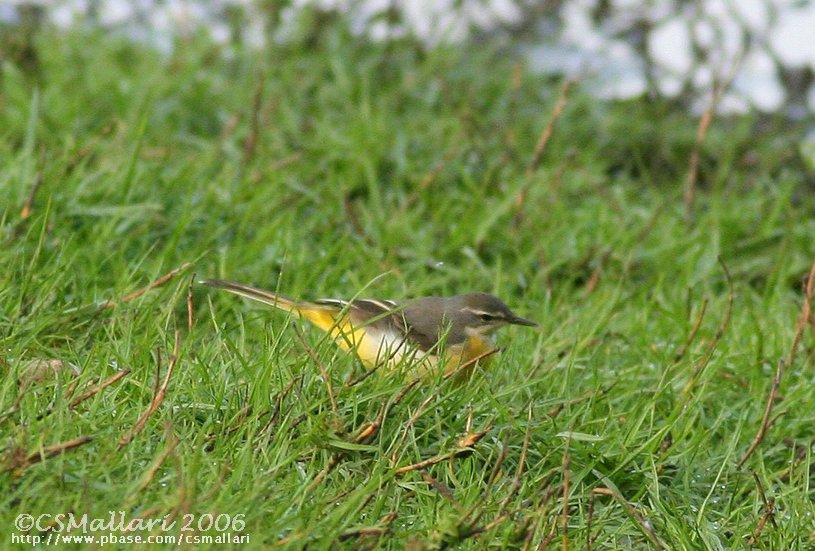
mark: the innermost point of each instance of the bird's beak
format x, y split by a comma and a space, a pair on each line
517, 320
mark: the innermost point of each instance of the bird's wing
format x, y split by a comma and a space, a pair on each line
389, 317
378, 314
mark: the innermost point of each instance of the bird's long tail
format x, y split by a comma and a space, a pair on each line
266, 297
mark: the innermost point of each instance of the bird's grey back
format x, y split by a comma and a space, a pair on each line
427, 320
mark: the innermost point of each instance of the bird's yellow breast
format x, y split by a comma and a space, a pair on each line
475, 346
373, 346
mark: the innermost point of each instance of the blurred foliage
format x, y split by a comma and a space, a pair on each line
719, 36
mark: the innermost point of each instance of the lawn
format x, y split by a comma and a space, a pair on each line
634, 417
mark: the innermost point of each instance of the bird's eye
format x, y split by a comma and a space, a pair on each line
486, 317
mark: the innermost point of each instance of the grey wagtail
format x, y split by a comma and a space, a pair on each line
388, 332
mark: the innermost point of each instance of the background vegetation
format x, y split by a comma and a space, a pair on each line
664, 264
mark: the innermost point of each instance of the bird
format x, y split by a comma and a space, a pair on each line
460, 329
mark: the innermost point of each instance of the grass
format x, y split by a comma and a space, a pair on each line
329, 167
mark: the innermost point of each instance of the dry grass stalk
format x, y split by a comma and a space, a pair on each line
19, 464
139, 292
803, 320
159, 393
